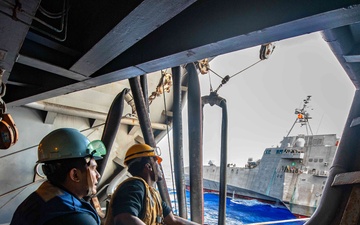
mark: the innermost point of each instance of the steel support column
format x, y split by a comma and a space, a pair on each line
195, 145
214, 99
178, 143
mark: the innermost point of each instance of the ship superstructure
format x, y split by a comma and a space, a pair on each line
293, 173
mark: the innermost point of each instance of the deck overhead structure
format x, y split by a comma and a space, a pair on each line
109, 41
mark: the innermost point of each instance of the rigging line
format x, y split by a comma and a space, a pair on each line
211, 88
291, 127
93, 127
310, 128
307, 131
168, 139
319, 123
216, 73
246, 68
91, 133
22, 150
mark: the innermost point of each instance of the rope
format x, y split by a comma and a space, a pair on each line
320, 123
170, 156
265, 52
211, 88
216, 73
246, 68
310, 127
307, 131
227, 77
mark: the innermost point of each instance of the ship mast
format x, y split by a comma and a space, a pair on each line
302, 116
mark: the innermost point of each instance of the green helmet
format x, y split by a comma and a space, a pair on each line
66, 143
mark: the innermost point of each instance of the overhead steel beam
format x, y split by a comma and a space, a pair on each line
220, 28
25, 60
13, 101
36, 38
71, 111
144, 19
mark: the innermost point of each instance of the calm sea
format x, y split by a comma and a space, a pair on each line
240, 211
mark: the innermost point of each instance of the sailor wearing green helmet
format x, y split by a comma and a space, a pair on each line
69, 162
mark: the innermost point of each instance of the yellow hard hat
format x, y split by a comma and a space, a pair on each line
140, 150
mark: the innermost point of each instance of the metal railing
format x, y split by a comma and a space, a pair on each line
280, 221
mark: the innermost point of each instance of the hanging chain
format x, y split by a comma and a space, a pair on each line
164, 85
203, 66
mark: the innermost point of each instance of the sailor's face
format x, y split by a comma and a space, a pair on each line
158, 169
92, 177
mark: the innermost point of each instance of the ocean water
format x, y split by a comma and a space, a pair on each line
239, 211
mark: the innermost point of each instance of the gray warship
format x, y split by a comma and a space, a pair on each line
292, 174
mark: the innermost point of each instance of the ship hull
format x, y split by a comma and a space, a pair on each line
300, 211
239, 193
291, 175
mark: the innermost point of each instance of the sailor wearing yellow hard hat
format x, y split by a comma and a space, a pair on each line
136, 201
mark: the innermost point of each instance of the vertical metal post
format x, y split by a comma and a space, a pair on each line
178, 143
214, 99
195, 145
223, 165
146, 129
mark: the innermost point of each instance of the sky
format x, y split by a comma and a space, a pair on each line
261, 101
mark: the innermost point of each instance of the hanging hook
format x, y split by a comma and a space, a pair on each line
2, 94
3, 90
223, 81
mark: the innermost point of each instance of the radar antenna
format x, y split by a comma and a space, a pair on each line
302, 116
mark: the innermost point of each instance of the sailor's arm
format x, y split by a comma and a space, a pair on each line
127, 218
170, 219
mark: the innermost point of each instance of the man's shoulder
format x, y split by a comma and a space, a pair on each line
75, 218
131, 185
31, 202
28, 211
134, 182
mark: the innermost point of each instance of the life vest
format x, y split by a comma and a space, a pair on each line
152, 208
